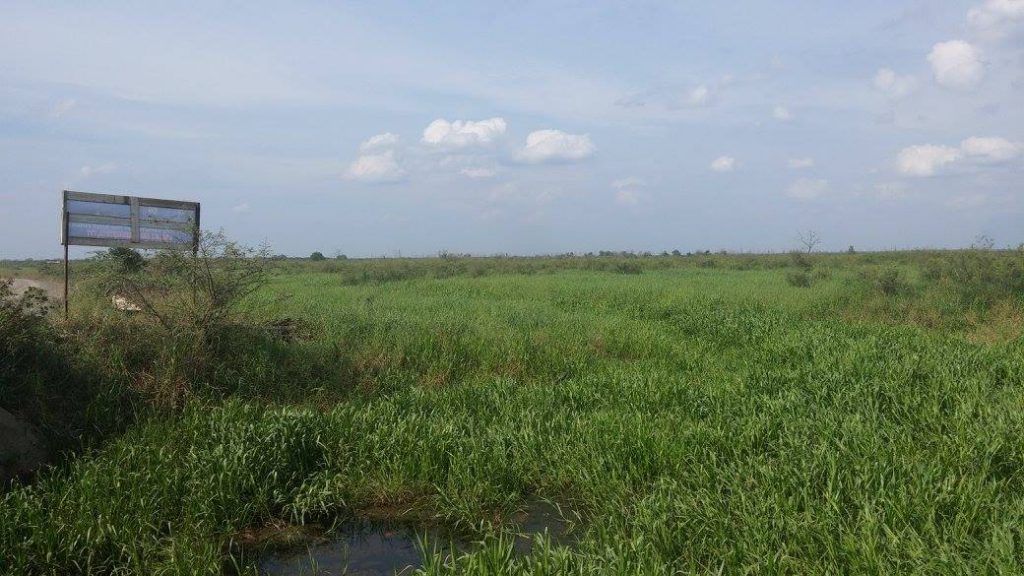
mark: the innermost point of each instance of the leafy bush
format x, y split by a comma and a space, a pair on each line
24, 329
890, 282
124, 259
195, 303
628, 268
798, 278
801, 260
979, 277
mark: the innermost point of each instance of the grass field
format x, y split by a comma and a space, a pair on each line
687, 418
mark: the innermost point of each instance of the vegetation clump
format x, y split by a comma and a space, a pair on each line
728, 402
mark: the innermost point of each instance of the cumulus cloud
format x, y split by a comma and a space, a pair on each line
928, 159
723, 164
807, 188
463, 133
996, 14
991, 149
381, 167
892, 84
555, 145
240, 208
782, 114
957, 64
380, 141
95, 170
800, 163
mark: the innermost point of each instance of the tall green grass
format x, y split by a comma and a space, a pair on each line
696, 419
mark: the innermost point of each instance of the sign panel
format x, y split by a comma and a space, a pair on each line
108, 220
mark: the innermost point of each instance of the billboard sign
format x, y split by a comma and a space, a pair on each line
109, 220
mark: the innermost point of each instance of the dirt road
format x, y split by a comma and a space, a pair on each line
52, 288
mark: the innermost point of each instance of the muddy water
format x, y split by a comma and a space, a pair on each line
363, 552
367, 550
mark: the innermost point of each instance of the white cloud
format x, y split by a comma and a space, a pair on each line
890, 190
927, 159
376, 168
240, 208
699, 97
105, 168
627, 197
61, 108
781, 113
627, 191
630, 182
995, 14
800, 163
478, 172
555, 145
723, 164
463, 133
807, 188
380, 141
957, 64
991, 149
892, 84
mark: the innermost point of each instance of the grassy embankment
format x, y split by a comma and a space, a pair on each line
697, 417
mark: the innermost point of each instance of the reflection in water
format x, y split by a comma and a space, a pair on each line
363, 553
379, 550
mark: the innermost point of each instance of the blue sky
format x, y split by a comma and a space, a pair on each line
384, 128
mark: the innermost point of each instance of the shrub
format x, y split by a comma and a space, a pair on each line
195, 303
798, 278
24, 329
801, 260
125, 260
707, 263
317, 256
890, 282
628, 268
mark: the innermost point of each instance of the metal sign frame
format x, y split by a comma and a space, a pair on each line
134, 221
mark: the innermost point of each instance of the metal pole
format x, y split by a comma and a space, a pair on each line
66, 272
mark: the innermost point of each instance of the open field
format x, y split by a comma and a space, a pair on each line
705, 414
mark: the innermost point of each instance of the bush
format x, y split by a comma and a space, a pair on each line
891, 283
628, 268
24, 329
801, 260
195, 304
798, 278
707, 263
317, 257
125, 260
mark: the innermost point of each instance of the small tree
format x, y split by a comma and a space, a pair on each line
809, 240
194, 299
317, 256
127, 260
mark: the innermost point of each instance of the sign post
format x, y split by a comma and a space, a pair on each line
127, 221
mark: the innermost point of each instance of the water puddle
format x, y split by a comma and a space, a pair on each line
375, 549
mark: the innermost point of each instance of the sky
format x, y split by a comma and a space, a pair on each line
384, 128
